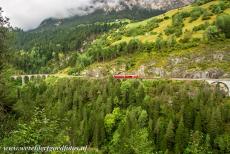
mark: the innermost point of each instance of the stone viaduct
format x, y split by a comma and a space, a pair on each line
224, 84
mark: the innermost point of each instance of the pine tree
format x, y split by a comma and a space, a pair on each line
180, 138
188, 116
140, 94
207, 145
197, 124
215, 123
169, 136
5, 98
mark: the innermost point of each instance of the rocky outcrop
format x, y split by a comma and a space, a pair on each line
151, 4
97, 72
212, 73
156, 71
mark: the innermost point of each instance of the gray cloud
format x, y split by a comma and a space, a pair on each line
28, 14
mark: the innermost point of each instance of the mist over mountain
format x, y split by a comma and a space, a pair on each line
29, 14
131, 9
119, 5
153, 4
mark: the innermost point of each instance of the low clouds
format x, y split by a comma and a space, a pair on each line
28, 14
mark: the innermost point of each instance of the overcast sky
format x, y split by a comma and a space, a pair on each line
28, 14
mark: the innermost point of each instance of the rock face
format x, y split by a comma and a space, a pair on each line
97, 72
156, 71
204, 64
151, 4
210, 73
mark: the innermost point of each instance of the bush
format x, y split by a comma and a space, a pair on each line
152, 24
201, 27
170, 30
201, 2
153, 33
135, 31
186, 37
166, 17
216, 9
177, 19
171, 41
212, 33
160, 43
206, 15
219, 8
196, 13
223, 23
173, 30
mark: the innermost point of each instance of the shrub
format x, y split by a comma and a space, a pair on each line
166, 17
206, 15
216, 9
201, 2
171, 41
153, 33
201, 27
219, 8
196, 13
212, 33
170, 30
223, 23
173, 30
177, 24
177, 19
151, 25
135, 31
154, 21
186, 37
160, 43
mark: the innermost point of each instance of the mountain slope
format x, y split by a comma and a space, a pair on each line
182, 32
174, 31
100, 15
56, 37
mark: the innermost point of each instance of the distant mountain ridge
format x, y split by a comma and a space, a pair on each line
150, 4
131, 9
101, 15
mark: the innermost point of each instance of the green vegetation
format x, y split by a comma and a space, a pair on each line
62, 47
202, 2
201, 27
219, 8
44, 46
223, 23
55, 40
121, 117
196, 13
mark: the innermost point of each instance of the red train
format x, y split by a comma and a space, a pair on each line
126, 76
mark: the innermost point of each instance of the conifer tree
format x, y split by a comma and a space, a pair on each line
169, 136
140, 94
188, 116
197, 124
215, 123
180, 138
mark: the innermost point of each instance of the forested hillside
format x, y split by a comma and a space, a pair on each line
55, 38
165, 40
121, 116
82, 104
